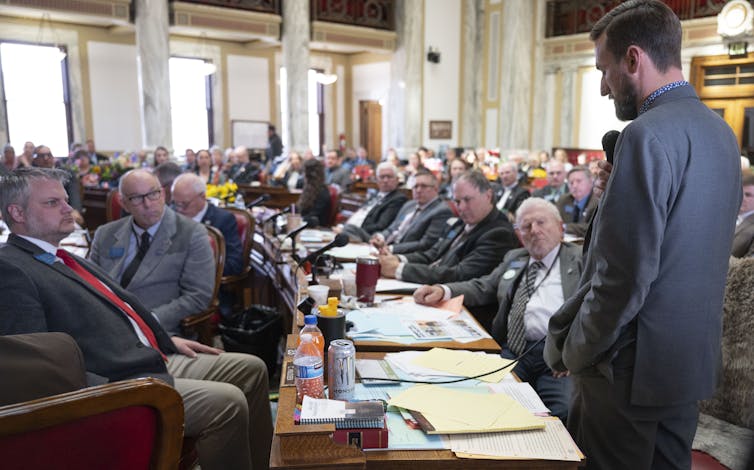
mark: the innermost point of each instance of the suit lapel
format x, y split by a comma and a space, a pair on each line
569, 275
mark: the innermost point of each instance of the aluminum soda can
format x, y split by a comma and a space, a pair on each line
341, 369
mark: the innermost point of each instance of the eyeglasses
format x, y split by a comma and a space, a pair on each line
386, 177
423, 186
527, 227
183, 204
43, 155
139, 198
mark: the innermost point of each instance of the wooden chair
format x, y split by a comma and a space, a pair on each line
201, 325
128, 425
113, 207
240, 284
334, 205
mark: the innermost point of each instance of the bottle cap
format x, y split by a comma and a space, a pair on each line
310, 320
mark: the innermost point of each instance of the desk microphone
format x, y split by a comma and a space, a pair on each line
275, 216
292, 235
340, 240
608, 144
258, 201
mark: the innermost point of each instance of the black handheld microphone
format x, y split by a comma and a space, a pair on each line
275, 216
257, 201
340, 240
608, 144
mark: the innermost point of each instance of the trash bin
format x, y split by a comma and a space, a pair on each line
254, 331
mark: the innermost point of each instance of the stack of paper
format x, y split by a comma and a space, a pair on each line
451, 411
550, 443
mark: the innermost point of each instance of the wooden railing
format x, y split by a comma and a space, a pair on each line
261, 6
379, 14
579, 16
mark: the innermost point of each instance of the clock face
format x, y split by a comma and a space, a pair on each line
735, 19
735, 16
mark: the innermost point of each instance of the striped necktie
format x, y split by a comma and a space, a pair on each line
516, 327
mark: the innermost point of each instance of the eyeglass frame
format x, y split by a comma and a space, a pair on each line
138, 199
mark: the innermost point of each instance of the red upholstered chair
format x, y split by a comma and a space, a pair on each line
240, 284
334, 205
113, 207
201, 324
129, 425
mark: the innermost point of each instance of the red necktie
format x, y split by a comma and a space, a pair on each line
107, 292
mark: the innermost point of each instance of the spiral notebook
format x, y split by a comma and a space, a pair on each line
355, 414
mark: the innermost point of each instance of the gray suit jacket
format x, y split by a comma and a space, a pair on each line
495, 287
652, 287
743, 239
175, 279
424, 230
48, 296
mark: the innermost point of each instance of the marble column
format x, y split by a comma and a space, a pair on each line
542, 85
405, 101
153, 56
471, 63
296, 62
567, 105
516, 73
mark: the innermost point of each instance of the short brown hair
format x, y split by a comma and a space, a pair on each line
649, 24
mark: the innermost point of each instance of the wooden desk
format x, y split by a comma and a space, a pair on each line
93, 201
280, 196
311, 447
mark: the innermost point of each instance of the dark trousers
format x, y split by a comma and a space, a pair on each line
555, 393
614, 435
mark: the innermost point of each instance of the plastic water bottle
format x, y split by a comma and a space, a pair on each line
311, 328
309, 367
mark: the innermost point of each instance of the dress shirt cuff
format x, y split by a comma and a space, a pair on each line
402, 258
399, 271
447, 294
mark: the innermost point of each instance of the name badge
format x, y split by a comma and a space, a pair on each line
46, 258
116, 252
509, 274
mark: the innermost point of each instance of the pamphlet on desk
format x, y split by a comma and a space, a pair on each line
407, 322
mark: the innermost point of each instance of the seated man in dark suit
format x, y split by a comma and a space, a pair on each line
189, 200
471, 247
159, 256
379, 211
577, 208
529, 286
335, 172
420, 222
225, 396
509, 193
743, 238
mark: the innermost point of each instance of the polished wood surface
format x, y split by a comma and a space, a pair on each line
280, 196
311, 446
94, 203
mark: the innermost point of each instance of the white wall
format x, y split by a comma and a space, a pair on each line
441, 82
597, 113
369, 82
249, 89
115, 96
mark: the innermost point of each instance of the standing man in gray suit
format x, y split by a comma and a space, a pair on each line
643, 346
420, 222
743, 240
528, 287
159, 256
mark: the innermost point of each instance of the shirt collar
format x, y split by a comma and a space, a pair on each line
200, 215
656, 94
46, 246
152, 230
549, 258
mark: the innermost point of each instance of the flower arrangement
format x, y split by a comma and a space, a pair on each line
225, 192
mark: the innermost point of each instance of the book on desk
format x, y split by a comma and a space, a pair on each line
361, 423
